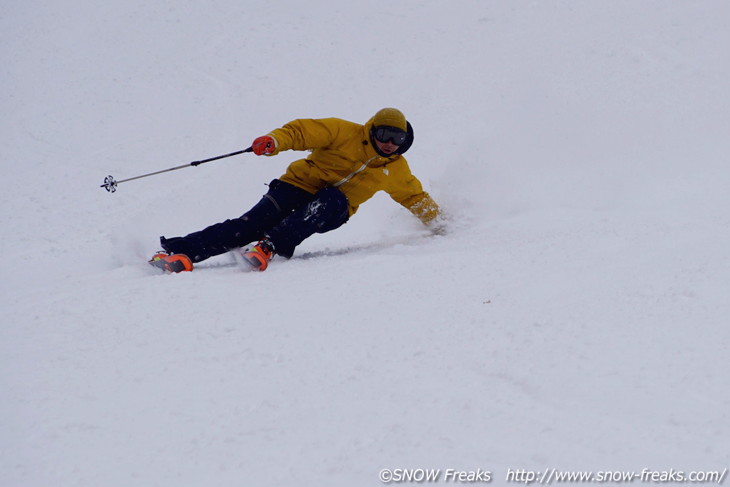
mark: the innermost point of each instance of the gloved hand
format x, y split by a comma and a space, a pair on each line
263, 145
440, 225
439, 228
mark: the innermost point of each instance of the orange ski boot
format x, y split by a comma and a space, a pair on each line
260, 255
172, 263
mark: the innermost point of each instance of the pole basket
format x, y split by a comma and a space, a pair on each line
109, 184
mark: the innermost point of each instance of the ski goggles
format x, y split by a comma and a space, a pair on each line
393, 135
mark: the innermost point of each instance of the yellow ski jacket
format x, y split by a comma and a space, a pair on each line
342, 156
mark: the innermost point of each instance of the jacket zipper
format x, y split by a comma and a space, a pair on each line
355, 172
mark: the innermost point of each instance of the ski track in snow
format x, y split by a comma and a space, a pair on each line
574, 317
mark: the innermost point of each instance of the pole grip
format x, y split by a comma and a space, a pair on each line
197, 163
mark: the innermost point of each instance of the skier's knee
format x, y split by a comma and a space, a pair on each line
329, 209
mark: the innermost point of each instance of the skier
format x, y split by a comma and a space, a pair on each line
348, 164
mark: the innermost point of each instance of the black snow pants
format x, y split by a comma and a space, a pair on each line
286, 215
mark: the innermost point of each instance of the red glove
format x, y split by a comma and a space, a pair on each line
263, 145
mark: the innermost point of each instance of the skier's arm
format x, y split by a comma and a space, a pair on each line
305, 134
409, 193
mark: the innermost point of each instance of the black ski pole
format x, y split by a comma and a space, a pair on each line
110, 184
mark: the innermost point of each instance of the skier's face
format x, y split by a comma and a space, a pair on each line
388, 139
386, 147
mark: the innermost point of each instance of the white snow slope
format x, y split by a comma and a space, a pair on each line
576, 317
